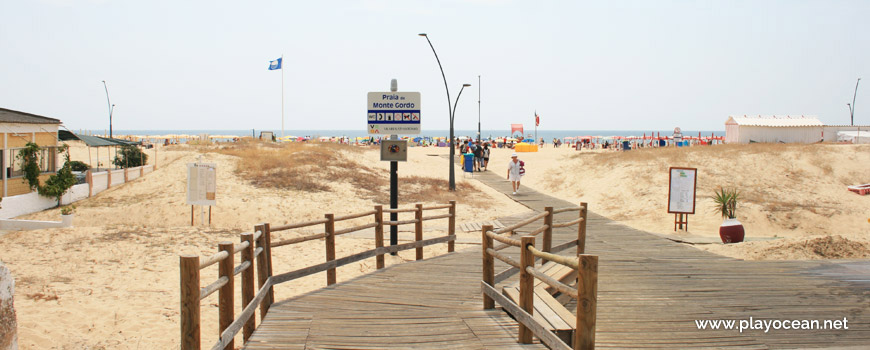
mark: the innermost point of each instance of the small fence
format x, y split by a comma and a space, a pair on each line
256, 251
586, 267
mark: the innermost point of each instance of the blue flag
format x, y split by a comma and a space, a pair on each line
276, 64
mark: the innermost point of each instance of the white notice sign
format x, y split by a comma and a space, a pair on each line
681, 193
393, 113
201, 183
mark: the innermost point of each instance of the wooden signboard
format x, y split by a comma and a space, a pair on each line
201, 183
682, 186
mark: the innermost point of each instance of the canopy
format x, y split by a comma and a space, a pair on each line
516, 128
93, 141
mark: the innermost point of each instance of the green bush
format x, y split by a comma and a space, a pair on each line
29, 157
79, 166
56, 185
130, 157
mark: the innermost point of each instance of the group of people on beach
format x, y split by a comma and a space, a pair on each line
481, 153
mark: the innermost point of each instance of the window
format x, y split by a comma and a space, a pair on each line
47, 161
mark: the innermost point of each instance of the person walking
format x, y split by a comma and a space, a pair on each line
514, 174
478, 156
485, 155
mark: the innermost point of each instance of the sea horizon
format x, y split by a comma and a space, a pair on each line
548, 135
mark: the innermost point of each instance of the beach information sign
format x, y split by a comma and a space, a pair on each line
393, 113
681, 193
201, 183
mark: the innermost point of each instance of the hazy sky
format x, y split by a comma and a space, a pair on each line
582, 65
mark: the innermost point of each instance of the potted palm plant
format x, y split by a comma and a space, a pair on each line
731, 230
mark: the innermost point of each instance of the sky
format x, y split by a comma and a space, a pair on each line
605, 65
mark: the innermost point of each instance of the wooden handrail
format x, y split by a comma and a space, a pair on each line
213, 287
522, 223
442, 206
353, 216
400, 222
295, 240
562, 210
400, 210
572, 263
298, 225
503, 239
569, 223
214, 259
355, 228
242, 267
559, 286
435, 217
238, 247
504, 258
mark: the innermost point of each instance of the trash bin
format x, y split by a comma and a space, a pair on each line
468, 162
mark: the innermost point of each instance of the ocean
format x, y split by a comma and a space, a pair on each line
548, 135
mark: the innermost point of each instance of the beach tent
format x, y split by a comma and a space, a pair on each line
854, 136
785, 129
525, 147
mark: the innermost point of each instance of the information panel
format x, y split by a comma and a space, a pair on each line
393, 113
394, 150
201, 183
681, 193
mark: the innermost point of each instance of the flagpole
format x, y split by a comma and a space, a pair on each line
282, 95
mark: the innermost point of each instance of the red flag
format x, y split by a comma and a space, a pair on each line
537, 119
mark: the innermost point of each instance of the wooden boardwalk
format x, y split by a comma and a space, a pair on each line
650, 292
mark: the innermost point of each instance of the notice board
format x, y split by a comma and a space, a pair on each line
201, 183
683, 183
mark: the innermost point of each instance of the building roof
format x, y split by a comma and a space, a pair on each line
93, 141
10, 116
774, 120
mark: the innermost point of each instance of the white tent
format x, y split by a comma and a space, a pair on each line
787, 129
854, 136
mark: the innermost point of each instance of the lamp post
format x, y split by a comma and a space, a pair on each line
451, 112
111, 107
478, 111
852, 106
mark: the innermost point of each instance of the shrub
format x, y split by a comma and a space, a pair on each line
59, 183
29, 157
130, 156
79, 166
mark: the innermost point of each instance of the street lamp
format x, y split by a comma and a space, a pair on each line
478, 110
852, 106
452, 177
111, 107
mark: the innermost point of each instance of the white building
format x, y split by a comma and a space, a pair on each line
772, 129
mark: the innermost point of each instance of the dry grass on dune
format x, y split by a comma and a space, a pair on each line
316, 167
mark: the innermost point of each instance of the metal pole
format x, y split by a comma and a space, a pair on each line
394, 189
109, 103
452, 176
282, 95
852, 107
478, 111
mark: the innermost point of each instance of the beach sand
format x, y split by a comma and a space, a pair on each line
111, 282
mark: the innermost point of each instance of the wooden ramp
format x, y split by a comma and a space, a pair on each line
651, 291
429, 304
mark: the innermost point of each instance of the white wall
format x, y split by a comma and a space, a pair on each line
25, 204
100, 180
831, 130
804, 134
76, 193
117, 177
132, 174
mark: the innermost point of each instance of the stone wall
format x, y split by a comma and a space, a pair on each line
8, 323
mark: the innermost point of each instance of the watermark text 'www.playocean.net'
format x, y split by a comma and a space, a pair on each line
767, 325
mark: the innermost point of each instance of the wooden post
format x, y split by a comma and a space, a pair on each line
451, 226
418, 229
141, 170
379, 234
330, 247
126, 178
90, 178
262, 269
267, 239
248, 283
488, 267
209, 215
191, 215
189, 267
581, 229
109, 181
527, 286
225, 294
587, 301
547, 240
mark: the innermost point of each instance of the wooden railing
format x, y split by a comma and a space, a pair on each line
258, 246
587, 276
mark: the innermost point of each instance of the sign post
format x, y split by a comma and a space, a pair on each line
683, 184
393, 113
201, 187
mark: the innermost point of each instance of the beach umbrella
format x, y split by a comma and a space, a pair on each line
529, 140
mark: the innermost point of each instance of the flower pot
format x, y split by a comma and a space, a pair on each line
66, 220
731, 231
